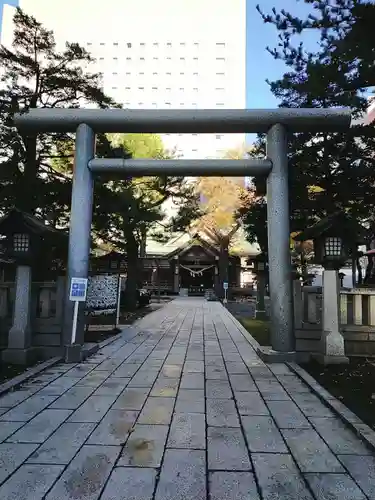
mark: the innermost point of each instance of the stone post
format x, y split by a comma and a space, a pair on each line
298, 304
332, 341
176, 277
260, 308
216, 278
19, 349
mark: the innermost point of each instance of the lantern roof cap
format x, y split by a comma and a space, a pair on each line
18, 221
337, 224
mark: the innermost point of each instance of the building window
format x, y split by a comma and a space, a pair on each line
89, 44
114, 88
155, 73
169, 74
141, 88
182, 89
220, 74
195, 89
219, 104
182, 59
220, 59
168, 103
101, 58
182, 104
220, 89
141, 73
115, 58
102, 44
115, 44
182, 73
195, 150
140, 104
169, 59
142, 44
154, 88
218, 137
168, 89
169, 44
182, 44
196, 44
127, 88
141, 58
129, 45
128, 58
220, 44
195, 58
195, 74
155, 58
128, 73
114, 74
155, 44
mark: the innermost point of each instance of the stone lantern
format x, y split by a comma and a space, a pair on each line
25, 237
331, 249
334, 238
260, 270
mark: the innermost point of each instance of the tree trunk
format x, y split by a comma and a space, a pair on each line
142, 248
28, 201
142, 255
131, 294
223, 266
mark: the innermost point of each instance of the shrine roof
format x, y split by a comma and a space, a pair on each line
17, 220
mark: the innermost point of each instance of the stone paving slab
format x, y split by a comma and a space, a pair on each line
130, 484
182, 409
86, 475
145, 446
30, 482
40, 427
63, 445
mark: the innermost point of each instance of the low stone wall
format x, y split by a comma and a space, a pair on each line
357, 320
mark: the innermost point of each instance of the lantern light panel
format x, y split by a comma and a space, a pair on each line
332, 247
21, 242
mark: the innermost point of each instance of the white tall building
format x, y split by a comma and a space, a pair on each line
165, 54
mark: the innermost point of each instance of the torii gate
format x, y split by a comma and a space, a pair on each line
276, 123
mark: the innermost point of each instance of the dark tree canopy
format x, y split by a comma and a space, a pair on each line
37, 75
327, 171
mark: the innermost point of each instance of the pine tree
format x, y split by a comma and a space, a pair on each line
327, 171
127, 210
37, 75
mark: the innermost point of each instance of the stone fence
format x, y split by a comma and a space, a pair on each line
46, 310
47, 300
357, 320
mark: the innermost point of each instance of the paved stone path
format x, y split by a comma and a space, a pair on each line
180, 410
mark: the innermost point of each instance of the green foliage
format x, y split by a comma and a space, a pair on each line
137, 205
140, 145
327, 171
36, 75
36, 172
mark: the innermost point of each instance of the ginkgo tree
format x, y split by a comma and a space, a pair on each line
222, 199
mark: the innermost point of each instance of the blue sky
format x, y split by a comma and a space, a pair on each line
2, 2
260, 64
